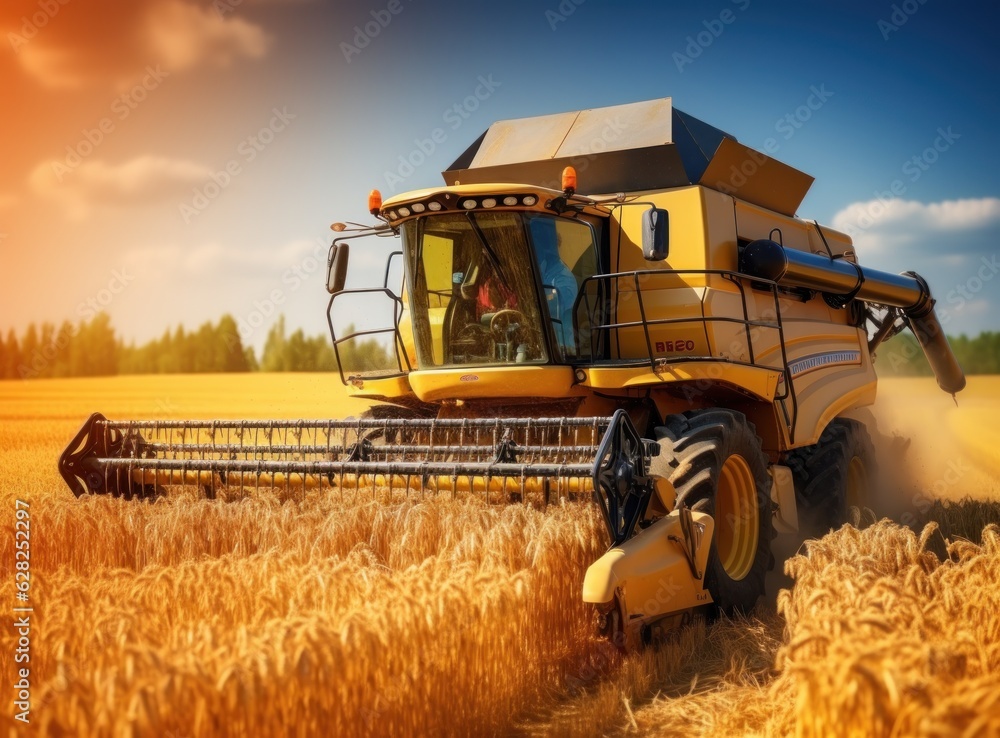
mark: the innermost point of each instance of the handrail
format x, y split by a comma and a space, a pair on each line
398, 346
609, 330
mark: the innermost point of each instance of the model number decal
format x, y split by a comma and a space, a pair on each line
674, 346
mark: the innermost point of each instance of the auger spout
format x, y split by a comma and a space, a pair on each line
844, 280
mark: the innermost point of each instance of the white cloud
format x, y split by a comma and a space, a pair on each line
252, 282
185, 35
74, 45
943, 228
139, 181
54, 68
909, 215
258, 269
953, 244
964, 214
216, 259
981, 307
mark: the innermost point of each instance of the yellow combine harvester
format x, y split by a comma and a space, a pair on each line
675, 344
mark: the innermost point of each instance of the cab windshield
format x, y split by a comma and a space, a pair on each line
474, 293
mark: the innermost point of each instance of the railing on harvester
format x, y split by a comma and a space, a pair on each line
602, 298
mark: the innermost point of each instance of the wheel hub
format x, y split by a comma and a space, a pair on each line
857, 483
736, 517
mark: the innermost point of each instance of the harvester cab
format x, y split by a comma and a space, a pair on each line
675, 344
491, 279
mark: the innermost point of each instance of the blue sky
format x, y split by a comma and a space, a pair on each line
899, 136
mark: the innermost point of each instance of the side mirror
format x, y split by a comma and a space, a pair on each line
655, 234
336, 273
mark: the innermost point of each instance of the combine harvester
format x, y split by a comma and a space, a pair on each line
675, 344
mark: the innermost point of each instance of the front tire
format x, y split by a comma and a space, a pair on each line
715, 462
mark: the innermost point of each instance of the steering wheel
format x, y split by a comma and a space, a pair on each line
501, 322
474, 339
471, 332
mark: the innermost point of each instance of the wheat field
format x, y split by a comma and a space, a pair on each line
440, 616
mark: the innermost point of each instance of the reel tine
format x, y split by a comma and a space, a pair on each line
507, 459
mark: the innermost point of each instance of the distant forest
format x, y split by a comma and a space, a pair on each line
902, 357
92, 349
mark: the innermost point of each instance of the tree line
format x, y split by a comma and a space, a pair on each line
93, 349
902, 356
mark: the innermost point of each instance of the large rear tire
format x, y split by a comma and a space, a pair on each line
715, 462
833, 475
